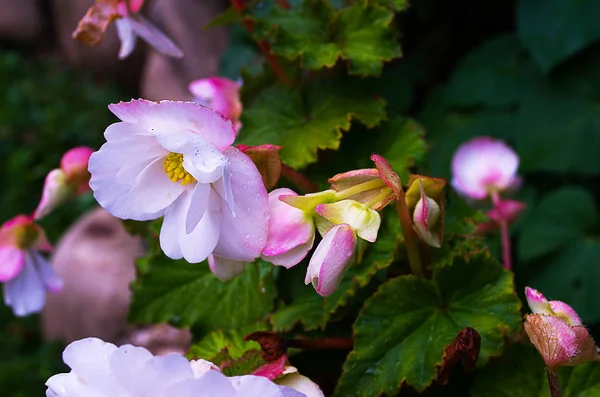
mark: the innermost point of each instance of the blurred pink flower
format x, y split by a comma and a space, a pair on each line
220, 94
556, 331
131, 24
484, 165
175, 159
26, 274
66, 182
102, 369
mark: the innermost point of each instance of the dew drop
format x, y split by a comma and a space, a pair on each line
247, 236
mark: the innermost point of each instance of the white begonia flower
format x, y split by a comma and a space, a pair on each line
175, 159
100, 369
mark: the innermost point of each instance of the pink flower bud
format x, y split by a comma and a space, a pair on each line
74, 164
426, 217
540, 305
331, 259
483, 165
220, 94
362, 219
291, 231
506, 210
364, 186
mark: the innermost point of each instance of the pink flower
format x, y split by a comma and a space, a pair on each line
66, 182
130, 24
426, 216
556, 331
331, 259
175, 159
484, 165
26, 274
102, 369
220, 94
291, 231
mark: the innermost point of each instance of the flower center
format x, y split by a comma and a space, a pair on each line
175, 171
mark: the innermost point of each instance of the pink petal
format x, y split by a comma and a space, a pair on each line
177, 116
55, 192
537, 301
126, 35
220, 94
289, 229
154, 190
506, 210
482, 164
11, 262
225, 269
566, 312
153, 36
331, 259
273, 369
75, 161
25, 293
245, 231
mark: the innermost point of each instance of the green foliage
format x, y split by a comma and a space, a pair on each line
554, 30
214, 343
305, 120
316, 32
401, 333
189, 294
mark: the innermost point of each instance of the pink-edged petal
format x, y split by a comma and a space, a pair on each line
25, 293
211, 384
566, 312
127, 37
331, 259
301, 384
198, 206
11, 262
220, 94
51, 280
225, 269
154, 190
157, 374
289, 228
292, 257
362, 219
483, 164
75, 161
257, 386
177, 116
556, 340
200, 366
203, 160
153, 36
55, 192
125, 132
537, 301
245, 231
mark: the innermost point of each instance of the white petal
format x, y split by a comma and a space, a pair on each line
51, 280
257, 386
198, 205
225, 269
56, 385
172, 225
211, 384
204, 161
25, 293
153, 190
301, 384
89, 359
127, 37
126, 131
159, 373
154, 37
125, 364
201, 242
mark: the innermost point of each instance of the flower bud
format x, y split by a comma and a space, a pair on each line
364, 186
362, 219
506, 211
426, 218
220, 94
266, 158
540, 305
291, 232
74, 164
331, 259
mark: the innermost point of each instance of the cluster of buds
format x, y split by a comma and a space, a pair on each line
557, 333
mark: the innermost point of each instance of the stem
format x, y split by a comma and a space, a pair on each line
410, 238
298, 179
553, 383
323, 343
361, 187
264, 47
505, 235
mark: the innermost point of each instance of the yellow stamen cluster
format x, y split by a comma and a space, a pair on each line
175, 171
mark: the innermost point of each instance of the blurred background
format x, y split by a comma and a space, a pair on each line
526, 71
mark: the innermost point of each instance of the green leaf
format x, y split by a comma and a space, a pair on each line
228, 17
306, 309
307, 120
233, 340
318, 34
403, 329
189, 294
403, 144
561, 218
554, 30
521, 373
557, 231
396, 5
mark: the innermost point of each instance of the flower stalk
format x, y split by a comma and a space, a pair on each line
554, 383
505, 233
410, 238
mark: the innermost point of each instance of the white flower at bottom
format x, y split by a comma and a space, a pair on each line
100, 369
175, 159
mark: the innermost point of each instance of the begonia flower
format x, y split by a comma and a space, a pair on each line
331, 259
66, 182
220, 94
291, 231
426, 217
26, 274
484, 165
556, 331
102, 369
130, 24
175, 159
293, 379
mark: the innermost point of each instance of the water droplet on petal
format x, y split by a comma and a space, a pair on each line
247, 236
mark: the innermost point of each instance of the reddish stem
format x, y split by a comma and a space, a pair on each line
283, 4
322, 344
298, 179
264, 47
505, 235
553, 383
